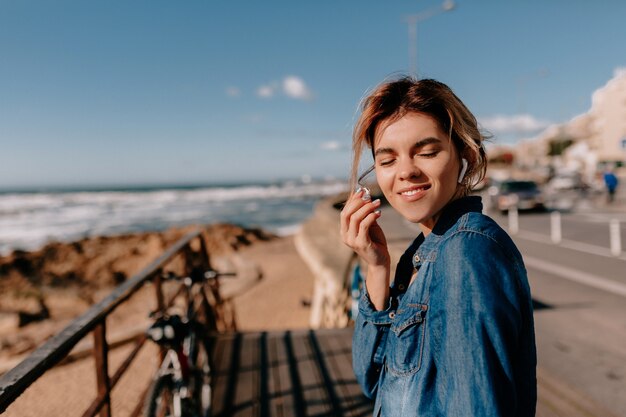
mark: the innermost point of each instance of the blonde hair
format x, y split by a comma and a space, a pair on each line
392, 100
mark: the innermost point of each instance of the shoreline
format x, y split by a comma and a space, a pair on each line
29, 221
279, 231
277, 286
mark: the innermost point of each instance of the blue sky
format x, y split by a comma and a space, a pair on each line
119, 92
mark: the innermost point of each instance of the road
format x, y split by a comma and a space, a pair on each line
579, 292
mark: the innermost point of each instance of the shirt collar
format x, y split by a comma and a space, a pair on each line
450, 214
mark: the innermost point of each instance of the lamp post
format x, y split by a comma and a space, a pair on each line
412, 21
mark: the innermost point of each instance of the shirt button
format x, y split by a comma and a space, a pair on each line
392, 315
401, 287
417, 258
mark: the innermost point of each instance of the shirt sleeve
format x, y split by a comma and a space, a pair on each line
368, 344
372, 327
477, 326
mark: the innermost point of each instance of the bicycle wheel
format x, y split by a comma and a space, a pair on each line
200, 375
162, 399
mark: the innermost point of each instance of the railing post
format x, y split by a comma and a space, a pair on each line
187, 254
158, 289
513, 220
555, 227
101, 352
204, 305
616, 238
160, 299
205, 250
56, 349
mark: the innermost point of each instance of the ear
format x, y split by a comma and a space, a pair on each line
463, 170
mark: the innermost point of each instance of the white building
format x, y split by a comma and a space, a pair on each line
608, 111
599, 135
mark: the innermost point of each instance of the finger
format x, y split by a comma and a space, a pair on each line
364, 239
358, 216
368, 221
353, 203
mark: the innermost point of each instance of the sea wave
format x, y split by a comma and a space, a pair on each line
29, 220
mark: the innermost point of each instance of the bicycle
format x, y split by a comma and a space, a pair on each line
182, 384
353, 285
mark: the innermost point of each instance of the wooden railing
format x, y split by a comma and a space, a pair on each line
191, 247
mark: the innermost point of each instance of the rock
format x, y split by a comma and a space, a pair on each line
59, 281
9, 322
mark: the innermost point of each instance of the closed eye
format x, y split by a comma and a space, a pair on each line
386, 162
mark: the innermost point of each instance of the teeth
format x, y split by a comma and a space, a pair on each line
411, 192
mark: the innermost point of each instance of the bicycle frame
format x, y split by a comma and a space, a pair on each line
186, 360
171, 365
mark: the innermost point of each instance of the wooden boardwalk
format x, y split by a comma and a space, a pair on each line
309, 373
291, 373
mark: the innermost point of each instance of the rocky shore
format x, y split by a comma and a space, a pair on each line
41, 291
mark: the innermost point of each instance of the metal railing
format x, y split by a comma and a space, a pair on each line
18, 379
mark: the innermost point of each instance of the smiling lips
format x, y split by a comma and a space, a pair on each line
414, 193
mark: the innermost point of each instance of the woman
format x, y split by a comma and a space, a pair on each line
452, 334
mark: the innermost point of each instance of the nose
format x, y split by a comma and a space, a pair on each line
408, 169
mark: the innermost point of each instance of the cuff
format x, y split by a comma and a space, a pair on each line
369, 313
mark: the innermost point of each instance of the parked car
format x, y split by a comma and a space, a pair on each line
567, 181
525, 195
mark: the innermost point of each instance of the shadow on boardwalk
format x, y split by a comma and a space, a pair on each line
299, 373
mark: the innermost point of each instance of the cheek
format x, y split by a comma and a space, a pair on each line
385, 183
384, 178
443, 171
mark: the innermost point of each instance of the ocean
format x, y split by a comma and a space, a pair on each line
30, 219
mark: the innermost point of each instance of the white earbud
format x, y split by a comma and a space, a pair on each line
463, 170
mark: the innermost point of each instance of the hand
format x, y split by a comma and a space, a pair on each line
361, 232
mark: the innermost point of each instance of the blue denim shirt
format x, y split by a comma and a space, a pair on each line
459, 340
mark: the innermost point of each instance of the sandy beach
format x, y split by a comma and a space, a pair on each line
278, 300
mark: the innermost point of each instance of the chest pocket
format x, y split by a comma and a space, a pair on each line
405, 342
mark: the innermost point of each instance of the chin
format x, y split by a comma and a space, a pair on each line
416, 219
417, 212
412, 215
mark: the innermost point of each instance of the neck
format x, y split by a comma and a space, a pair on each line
427, 226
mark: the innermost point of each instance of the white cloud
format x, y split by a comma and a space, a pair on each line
233, 92
291, 86
332, 145
519, 123
266, 91
295, 87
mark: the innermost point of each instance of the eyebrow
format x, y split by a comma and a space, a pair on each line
416, 145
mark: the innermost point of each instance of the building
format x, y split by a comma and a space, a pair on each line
608, 111
589, 142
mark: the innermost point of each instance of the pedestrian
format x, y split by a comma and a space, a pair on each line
452, 333
610, 180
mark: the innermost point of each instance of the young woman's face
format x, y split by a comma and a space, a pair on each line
417, 167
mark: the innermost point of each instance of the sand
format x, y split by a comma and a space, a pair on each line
277, 301
280, 299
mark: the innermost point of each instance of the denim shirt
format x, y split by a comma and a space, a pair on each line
459, 340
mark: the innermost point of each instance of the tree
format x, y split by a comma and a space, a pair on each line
558, 145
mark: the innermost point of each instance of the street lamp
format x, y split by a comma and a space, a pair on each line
412, 21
